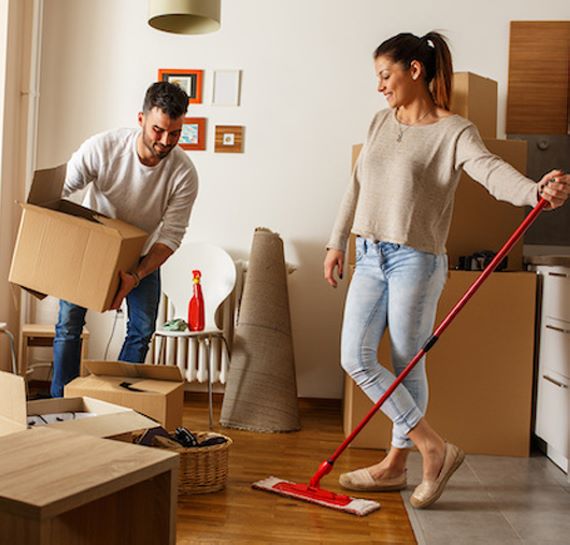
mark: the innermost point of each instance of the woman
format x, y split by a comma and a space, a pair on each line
399, 204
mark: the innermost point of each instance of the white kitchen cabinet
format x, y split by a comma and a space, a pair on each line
553, 380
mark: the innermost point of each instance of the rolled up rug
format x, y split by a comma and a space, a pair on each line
261, 390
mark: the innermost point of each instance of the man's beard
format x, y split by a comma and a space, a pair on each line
162, 154
155, 148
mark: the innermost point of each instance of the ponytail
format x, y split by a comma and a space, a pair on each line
434, 54
440, 82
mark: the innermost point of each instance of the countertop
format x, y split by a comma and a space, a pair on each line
548, 260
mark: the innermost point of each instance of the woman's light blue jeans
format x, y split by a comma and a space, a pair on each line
142, 303
396, 286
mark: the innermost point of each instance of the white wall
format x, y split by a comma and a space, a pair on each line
17, 18
308, 93
5, 237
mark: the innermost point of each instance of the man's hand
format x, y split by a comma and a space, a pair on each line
555, 188
334, 259
156, 256
127, 283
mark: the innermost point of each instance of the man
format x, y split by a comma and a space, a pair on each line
139, 176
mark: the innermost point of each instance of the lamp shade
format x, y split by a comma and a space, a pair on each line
185, 16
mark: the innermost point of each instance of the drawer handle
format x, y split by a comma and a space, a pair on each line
558, 329
559, 384
562, 275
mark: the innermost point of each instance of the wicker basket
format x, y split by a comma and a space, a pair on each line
203, 469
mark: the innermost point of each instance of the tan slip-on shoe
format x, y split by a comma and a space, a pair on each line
360, 479
427, 492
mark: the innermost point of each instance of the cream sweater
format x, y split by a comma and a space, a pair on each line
157, 199
403, 192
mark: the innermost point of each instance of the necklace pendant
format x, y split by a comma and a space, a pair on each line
399, 139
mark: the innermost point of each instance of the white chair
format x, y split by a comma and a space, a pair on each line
196, 353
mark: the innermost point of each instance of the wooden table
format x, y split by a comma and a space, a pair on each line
43, 335
59, 488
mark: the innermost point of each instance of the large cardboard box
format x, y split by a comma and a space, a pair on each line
475, 98
481, 222
109, 420
156, 391
69, 251
480, 372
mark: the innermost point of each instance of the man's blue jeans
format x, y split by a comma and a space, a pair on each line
398, 286
142, 303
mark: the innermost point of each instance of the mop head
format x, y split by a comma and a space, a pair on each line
317, 496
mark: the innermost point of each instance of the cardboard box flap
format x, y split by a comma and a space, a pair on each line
111, 419
35, 293
72, 215
12, 403
108, 425
120, 388
74, 209
67, 207
47, 185
116, 226
72, 404
134, 370
46, 190
125, 230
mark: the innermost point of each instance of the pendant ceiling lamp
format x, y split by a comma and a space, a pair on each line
185, 16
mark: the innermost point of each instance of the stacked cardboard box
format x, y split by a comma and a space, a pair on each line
480, 372
480, 222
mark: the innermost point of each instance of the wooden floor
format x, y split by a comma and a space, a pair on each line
240, 515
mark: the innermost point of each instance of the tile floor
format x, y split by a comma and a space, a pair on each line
495, 500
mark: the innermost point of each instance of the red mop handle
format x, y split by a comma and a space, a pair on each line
327, 465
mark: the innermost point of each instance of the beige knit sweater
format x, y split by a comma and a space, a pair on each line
403, 192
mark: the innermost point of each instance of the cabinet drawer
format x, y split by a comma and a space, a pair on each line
555, 347
553, 411
556, 293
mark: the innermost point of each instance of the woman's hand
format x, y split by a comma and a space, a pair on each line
334, 259
555, 188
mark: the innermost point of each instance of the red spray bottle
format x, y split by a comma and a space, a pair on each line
196, 305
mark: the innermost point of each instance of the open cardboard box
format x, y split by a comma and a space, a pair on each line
110, 420
156, 391
69, 251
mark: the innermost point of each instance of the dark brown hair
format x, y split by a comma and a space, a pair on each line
170, 98
434, 54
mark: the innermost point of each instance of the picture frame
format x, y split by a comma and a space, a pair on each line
226, 88
193, 135
229, 139
189, 80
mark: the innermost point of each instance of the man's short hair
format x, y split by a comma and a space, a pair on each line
170, 98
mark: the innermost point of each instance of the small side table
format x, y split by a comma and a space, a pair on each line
43, 335
61, 488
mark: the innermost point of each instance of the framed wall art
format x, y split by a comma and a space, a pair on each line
229, 139
193, 134
226, 89
189, 80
